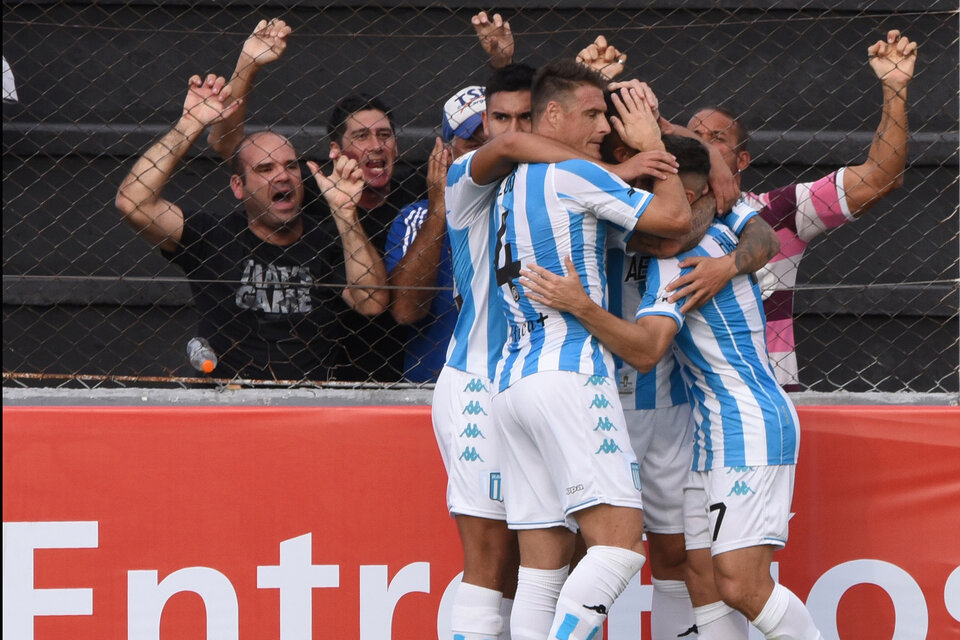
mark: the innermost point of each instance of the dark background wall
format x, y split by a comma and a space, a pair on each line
98, 82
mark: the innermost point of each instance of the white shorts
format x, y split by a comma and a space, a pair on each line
663, 442
738, 507
566, 448
469, 444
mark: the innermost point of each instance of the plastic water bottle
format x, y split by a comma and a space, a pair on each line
201, 356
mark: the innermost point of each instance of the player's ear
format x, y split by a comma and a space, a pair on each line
621, 153
553, 113
743, 160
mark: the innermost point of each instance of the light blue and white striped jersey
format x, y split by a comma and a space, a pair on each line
663, 386
478, 336
547, 212
743, 417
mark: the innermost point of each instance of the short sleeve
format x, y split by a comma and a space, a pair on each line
403, 231
660, 273
602, 193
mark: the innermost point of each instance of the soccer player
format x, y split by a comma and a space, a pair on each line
657, 413
746, 441
462, 413
800, 212
568, 463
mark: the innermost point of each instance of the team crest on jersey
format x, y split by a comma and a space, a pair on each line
496, 487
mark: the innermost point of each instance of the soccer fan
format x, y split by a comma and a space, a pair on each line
656, 410
567, 460
255, 275
736, 502
800, 212
360, 128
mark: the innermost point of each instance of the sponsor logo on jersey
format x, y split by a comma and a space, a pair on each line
739, 469
597, 381
517, 331
740, 488
574, 489
609, 446
472, 431
473, 408
470, 455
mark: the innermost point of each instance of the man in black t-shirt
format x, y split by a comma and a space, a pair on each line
360, 128
269, 282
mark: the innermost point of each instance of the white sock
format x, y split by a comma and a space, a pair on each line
717, 621
590, 590
671, 613
785, 617
506, 609
476, 613
535, 602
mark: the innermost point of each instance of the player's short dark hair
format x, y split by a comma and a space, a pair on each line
349, 105
692, 156
740, 129
557, 78
513, 77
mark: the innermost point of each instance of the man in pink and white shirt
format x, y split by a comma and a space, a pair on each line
800, 212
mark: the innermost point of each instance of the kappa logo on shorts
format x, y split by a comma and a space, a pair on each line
739, 469
740, 488
604, 424
473, 408
472, 431
470, 455
475, 386
609, 446
597, 381
599, 401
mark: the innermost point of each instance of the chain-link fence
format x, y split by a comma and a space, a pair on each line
90, 86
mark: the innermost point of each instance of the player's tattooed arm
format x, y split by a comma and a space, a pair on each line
758, 244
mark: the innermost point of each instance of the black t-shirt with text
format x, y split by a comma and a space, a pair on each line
269, 312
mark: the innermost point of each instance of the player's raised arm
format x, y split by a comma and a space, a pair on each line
496, 38
138, 199
603, 57
641, 344
893, 61
668, 214
265, 45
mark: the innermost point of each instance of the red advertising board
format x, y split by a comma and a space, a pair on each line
212, 522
